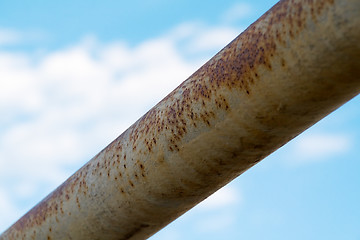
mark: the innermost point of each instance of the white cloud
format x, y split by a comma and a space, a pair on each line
60, 109
311, 147
196, 37
237, 12
217, 212
216, 38
8, 210
73, 89
12, 37
8, 36
224, 197
25, 189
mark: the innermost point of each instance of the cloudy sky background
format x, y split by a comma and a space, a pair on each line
75, 74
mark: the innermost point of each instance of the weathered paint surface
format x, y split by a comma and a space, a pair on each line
292, 67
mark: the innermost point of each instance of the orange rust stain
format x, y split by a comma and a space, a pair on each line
236, 67
78, 202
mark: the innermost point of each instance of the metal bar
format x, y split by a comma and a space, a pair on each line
293, 66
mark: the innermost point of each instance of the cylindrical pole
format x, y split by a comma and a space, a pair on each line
289, 69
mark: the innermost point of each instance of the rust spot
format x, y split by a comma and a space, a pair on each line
237, 67
282, 62
78, 202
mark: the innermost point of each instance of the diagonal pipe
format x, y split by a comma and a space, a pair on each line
292, 67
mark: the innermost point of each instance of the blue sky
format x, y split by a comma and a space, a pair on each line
62, 23
75, 74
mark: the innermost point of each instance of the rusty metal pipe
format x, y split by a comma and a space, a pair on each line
289, 69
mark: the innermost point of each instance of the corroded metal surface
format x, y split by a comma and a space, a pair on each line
289, 69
